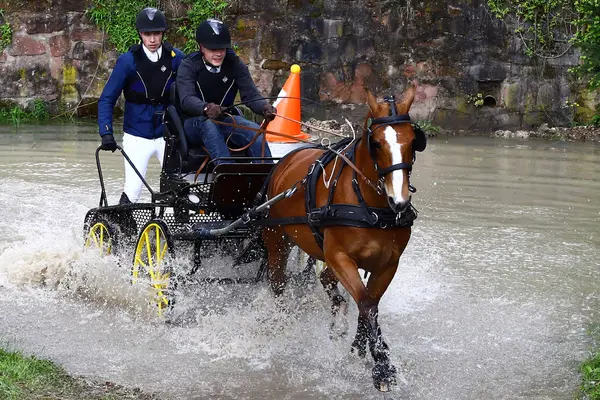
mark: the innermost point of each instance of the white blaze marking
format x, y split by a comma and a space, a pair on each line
397, 175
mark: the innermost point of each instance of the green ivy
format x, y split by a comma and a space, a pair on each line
5, 32
545, 27
199, 10
588, 40
117, 19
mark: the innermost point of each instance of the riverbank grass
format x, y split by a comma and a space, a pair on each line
590, 378
24, 378
590, 369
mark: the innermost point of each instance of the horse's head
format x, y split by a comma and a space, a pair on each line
392, 142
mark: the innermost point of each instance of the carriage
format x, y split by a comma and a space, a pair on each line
200, 206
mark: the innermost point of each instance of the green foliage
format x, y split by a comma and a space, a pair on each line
548, 28
26, 378
595, 120
15, 114
428, 126
199, 10
22, 374
475, 99
117, 19
588, 40
590, 371
39, 110
5, 32
545, 27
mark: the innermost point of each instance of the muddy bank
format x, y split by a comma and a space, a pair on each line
335, 129
584, 133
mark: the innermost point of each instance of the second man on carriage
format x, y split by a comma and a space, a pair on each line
208, 82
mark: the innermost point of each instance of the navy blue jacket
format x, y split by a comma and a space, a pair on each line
194, 83
138, 119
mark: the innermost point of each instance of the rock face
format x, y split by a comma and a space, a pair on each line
456, 50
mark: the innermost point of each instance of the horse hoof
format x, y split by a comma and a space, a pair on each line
358, 351
384, 376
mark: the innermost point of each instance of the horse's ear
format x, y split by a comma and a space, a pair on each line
409, 97
371, 102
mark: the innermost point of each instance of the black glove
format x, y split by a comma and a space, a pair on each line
108, 142
269, 112
213, 111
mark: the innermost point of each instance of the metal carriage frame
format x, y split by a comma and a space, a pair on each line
218, 209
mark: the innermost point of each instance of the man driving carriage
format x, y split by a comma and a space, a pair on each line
208, 82
143, 74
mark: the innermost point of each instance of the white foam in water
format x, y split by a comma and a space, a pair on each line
491, 299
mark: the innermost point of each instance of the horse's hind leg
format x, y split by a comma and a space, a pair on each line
339, 305
278, 248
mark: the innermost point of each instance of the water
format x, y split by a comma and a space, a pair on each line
492, 297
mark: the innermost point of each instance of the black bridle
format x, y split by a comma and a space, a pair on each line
393, 119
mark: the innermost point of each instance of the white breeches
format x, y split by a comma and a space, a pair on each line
139, 150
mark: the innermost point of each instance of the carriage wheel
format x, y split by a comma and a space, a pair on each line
151, 264
101, 236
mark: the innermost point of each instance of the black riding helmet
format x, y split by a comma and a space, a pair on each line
213, 34
151, 20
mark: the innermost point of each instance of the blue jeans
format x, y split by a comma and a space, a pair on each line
202, 131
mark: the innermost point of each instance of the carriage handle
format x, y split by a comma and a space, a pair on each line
103, 198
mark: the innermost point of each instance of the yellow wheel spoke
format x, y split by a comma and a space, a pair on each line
163, 252
100, 238
151, 251
93, 234
158, 232
148, 249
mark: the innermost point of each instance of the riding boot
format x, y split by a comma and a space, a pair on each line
124, 199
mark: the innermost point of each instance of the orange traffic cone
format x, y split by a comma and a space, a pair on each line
288, 105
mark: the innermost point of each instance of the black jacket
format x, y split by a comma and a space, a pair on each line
197, 86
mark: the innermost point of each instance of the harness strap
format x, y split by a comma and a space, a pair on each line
312, 179
347, 215
404, 165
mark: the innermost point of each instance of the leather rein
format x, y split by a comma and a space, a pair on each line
263, 131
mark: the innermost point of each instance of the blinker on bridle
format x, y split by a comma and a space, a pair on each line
392, 119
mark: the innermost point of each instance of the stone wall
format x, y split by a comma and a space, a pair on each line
454, 48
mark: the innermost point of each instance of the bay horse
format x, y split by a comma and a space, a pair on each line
351, 209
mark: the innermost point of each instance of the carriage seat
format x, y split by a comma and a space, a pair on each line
235, 187
179, 155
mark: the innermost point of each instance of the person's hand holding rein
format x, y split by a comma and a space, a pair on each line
213, 111
269, 112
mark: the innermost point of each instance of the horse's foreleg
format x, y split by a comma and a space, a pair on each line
367, 299
359, 345
339, 305
278, 248
384, 372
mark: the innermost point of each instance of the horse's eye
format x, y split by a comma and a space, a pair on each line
375, 145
